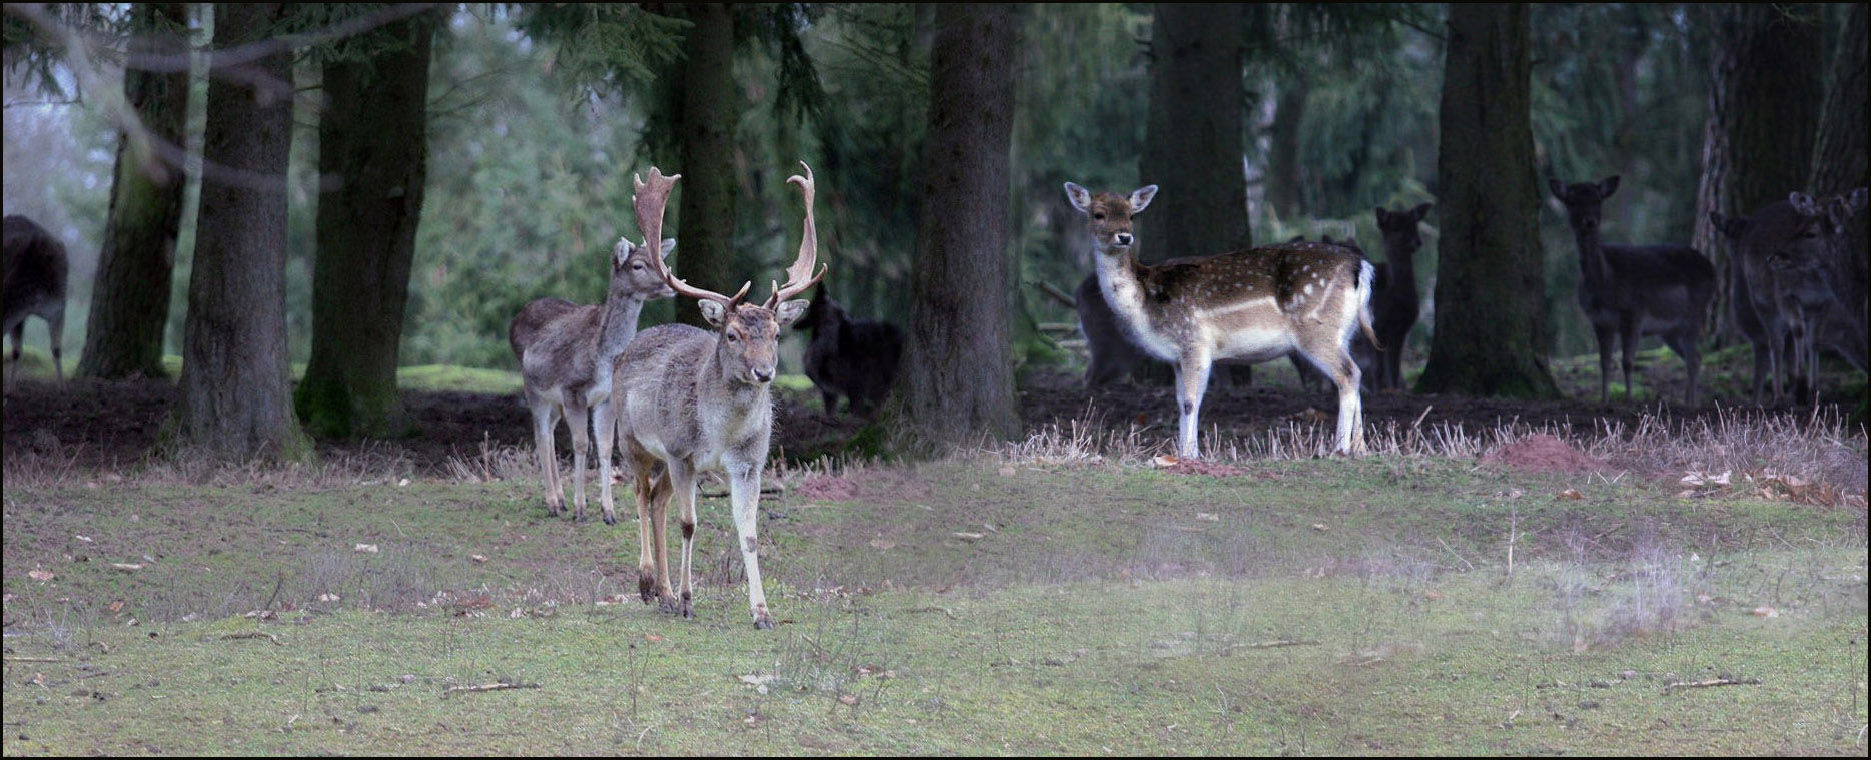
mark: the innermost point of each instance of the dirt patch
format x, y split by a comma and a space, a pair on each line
828, 488
1543, 453
1203, 467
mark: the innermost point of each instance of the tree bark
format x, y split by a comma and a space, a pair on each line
1490, 294
710, 115
1285, 192
957, 383
372, 138
1766, 91
1840, 160
130, 295
1193, 139
234, 401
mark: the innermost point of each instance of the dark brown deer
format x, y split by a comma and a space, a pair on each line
1628, 291
35, 285
690, 400
1256, 304
1787, 271
565, 351
853, 358
1394, 302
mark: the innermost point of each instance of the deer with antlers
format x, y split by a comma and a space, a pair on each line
690, 400
566, 350
1255, 304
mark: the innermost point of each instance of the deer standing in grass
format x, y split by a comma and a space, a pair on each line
1255, 304
1394, 302
1786, 273
35, 270
1632, 290
566, 350
690, 400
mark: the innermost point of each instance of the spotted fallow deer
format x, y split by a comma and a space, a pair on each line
1256, 304
690, 400
566, 350
34, 285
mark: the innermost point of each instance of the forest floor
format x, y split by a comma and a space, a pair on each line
1500, 579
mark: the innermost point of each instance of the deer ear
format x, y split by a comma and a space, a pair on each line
714, 312
1383, 216
1421, 211
1858, 200
1140, 198
1078, 196
790, 311
669, 247
1803, 203
1607, 187
1559, 190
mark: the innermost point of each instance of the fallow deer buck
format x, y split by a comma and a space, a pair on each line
690, 400
1628, 291
1786, 273
1256, 304
35, 268
566, 350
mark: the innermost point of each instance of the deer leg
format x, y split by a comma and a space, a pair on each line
1335, 362
604, 427
545, 421
1627, 339
682, 480
1605, 338
578, 421
744, 491
648, 538
1191, 383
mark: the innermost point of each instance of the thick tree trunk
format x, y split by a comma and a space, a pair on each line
1284, 178
372, 139
1193, 138
957, 383
234, 401
1840, 161
130, 297
1766, 92
1490, 294
710, 115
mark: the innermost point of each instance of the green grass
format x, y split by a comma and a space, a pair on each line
959, 607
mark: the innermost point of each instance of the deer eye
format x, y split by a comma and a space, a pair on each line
1098, 216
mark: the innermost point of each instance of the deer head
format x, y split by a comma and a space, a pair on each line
1108, 215
1399, 230
1584, 201
747, 348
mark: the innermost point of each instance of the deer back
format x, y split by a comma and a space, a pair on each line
35, 268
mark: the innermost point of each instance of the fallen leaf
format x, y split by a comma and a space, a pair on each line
847, 699
116, 606
1209, 516
126, 567
653, 638
968, 536
84, 538
1165, 460
327, 597
1319, 526
477, 557
40, 575
365, 549
1570, 493
1007, 470
878, 543
1764, 611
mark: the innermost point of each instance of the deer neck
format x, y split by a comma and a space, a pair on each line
1591, 256
618, 325
1120, 278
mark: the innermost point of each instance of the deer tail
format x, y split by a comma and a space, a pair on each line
1366, 272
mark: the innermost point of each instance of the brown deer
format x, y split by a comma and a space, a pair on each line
1632, 290
1394, 302
565, 351
1786, 273
35, 285
1256, 304
690, 400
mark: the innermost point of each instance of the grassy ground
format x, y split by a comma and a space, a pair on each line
1043, 600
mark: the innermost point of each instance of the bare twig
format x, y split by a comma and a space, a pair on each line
11, 658
1712, 682
944, 610
488, 687
1057, 294
253, 635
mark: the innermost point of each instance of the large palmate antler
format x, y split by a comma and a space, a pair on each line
799, 277
650, 199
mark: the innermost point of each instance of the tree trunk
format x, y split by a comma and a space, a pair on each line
1284, 178
1839, 157
130, 297
372, 139
234, 401
710, 115
957, 380
1490, 293
1766, 91
1194, 136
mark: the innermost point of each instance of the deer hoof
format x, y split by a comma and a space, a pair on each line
763, 623
646, 587
610, 519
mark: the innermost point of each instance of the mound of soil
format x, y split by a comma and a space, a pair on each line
1543, 453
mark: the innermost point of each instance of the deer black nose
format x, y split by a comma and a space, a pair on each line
763, 375
1122, 238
